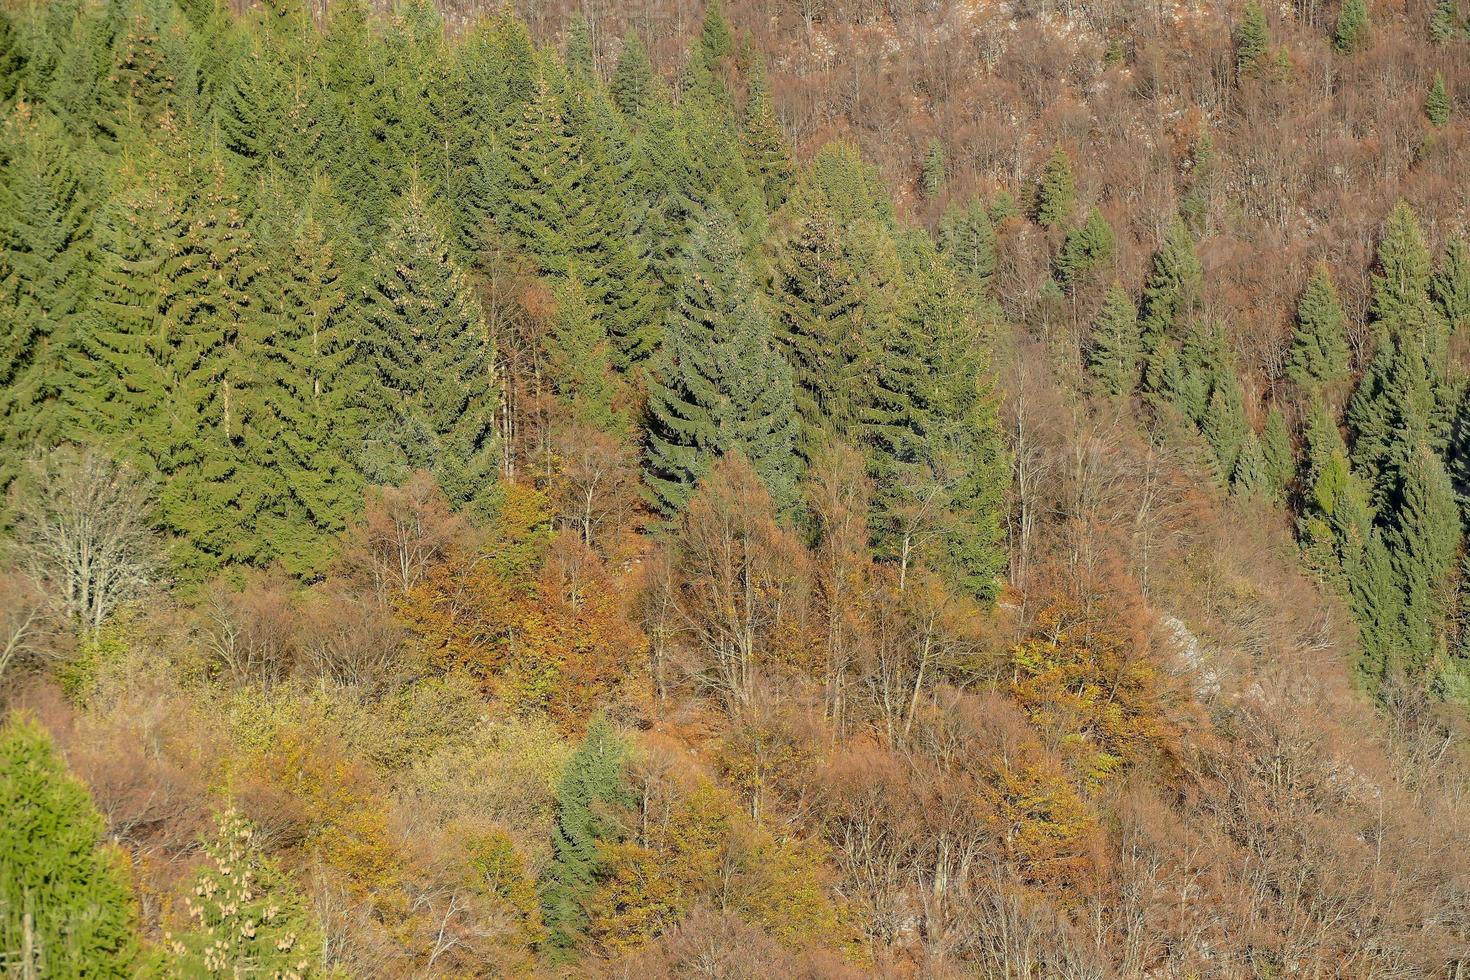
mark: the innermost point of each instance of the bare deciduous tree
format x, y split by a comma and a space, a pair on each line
403, 532
598, 489
82, 532
742, 575
22, 616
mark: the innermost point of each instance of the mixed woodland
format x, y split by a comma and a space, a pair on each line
802, 488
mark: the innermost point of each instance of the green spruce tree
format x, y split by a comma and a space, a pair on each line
579, 58
933, 172
1444, 22
66, 904
215, 494
121, 392
1225, 427
1423, 541
1114, 351
929, 422
1171, 296
314, 393
45, 276
767, 156
547, 211
1437, 105
1450, 285
1352, 31
634, 84
715, 40
613, 261
1252, 41
1056, 192
580, 361
433, 393
1249, 479
1276, 454
1319, 358
967, 239
833, 282
1087, 253
592, 788
245, 915
12, 58
720, 384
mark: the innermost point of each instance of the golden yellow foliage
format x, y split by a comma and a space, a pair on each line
557, 643
710, 852
1099, 692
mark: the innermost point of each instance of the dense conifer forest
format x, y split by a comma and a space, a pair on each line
803, 488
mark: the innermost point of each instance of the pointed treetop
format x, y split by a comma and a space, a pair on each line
1056, 195
1437, 104
634, 83
1319, 349
1252, 40
580, 59
715, 40
1402, 277
1352, 32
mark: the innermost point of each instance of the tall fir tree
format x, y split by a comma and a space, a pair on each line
547, 209
1319, 358
1352, 32
767, 156
721, 178
1252, 41
1114, 349
634, 83
662, 176
360, 94
591, 789
1394, 408
1377, 604
933, 173
927, 420
1278, 461
581, 363
66, 901
1437, 104
579, 57
1321, 437
154, 76
1248, 478
122, 378
45, 276
1335, 521
1225, 427
617, 275
1424, 541
720, 384
833, 282
967, 239
215, 493
1444, 22
1405, 397
1403, 267
314, 395
1171, 296
1087, 253
1056, 192
715, 40
433, 392
1450, 285
12, 58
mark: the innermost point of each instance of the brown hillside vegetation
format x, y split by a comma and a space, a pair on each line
911, 489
